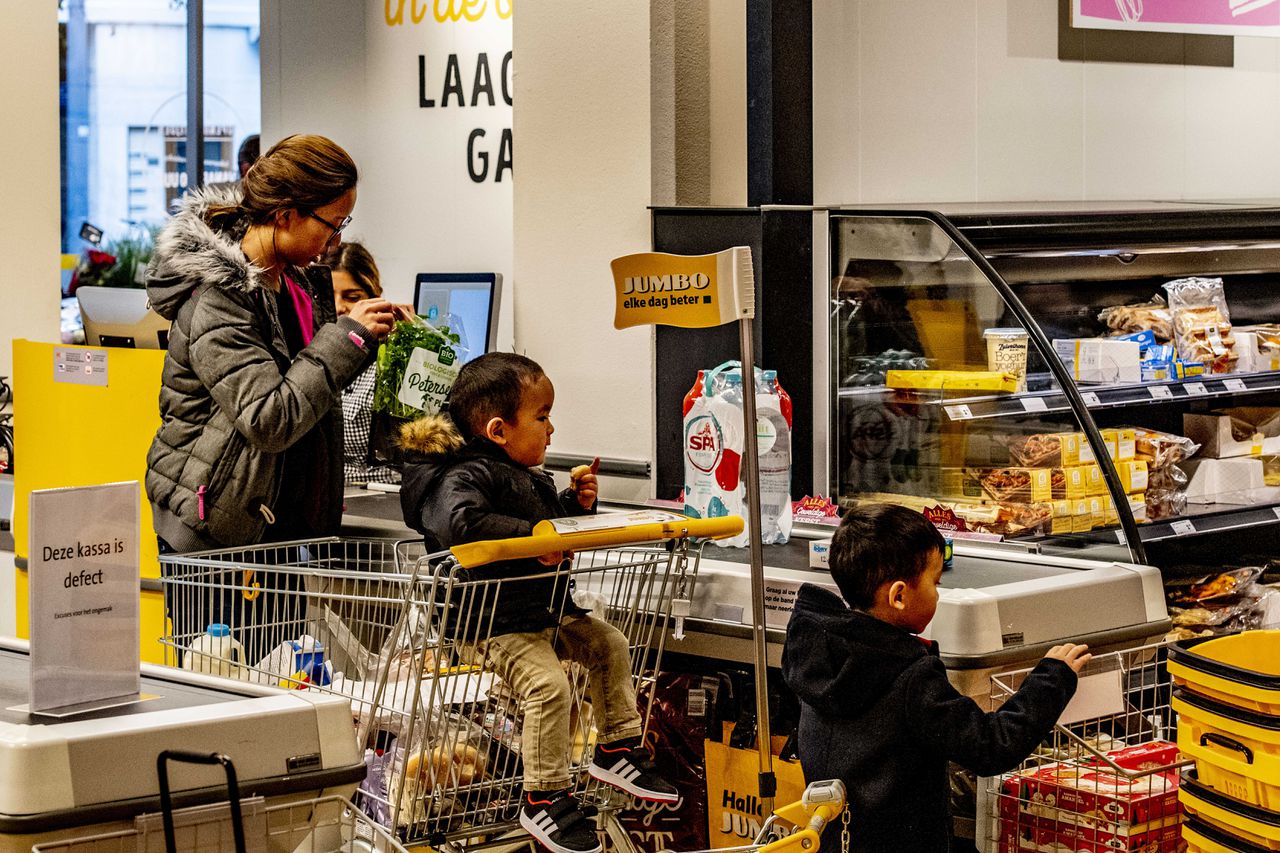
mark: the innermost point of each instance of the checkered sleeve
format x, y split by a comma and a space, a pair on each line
357, 416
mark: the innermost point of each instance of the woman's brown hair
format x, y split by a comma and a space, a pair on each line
354, 259
303, 172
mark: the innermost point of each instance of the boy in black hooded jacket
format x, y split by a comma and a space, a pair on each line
486, 482
876, 709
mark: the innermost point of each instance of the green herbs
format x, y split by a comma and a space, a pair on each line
396, 359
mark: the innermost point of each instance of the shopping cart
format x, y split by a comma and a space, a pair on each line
1106, 780
319, 825
819, 805
401, 633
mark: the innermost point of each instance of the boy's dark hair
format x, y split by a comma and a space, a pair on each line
877, 544
490, 387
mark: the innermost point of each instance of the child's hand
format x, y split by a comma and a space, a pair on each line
1073, 655
584, 483
555, 558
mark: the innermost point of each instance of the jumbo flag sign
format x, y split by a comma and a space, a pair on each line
693, 291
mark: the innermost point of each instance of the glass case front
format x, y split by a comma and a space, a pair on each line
943, 401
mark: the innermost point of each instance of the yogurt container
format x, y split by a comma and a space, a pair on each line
1007, 353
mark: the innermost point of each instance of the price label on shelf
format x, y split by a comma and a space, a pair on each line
959, 413
1091, 399
1159, 392
1034, 404
1196, 389
1183, 527
1276, 510
1235, 385
1120, 537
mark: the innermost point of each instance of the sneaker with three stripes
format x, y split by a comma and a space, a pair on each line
627, 766
557, 822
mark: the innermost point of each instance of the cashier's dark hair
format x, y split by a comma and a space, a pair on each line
878, 544
302, 172
490, 387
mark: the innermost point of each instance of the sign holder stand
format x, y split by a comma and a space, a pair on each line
705, 291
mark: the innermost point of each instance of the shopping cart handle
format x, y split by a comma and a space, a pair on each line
545, 539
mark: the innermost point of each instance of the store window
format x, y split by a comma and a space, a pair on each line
124, 109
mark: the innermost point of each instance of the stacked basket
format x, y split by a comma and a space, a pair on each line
1227, 696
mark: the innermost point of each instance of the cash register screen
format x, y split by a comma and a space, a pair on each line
465, 302
121, 317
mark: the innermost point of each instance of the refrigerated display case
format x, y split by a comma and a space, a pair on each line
900, 318
914, 296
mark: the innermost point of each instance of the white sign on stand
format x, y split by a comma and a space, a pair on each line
84, 591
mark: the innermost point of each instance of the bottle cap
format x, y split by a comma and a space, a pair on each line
217, 629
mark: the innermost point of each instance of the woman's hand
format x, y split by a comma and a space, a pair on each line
376, 315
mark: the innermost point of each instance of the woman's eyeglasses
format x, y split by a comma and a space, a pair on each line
336, 229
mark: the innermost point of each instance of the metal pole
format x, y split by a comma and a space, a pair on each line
195, 94
751, 464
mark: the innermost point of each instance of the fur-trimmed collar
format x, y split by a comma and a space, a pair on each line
189, 252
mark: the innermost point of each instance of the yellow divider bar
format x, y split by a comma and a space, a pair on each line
545, 540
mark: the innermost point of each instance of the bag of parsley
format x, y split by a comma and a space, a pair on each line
416, 368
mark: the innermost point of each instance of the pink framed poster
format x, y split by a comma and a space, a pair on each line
1210, 17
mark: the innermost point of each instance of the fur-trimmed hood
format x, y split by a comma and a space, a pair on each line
431, 435
189, 251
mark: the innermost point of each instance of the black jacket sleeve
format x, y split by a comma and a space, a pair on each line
569, 504
987, 743
461, 511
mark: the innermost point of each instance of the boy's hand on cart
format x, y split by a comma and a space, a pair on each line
584, 483
555, 558
1074, 655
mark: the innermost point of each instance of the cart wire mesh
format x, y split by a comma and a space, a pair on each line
319, 825
1107, 780
402, 634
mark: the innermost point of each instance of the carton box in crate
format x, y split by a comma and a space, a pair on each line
1064, 792
1060, 837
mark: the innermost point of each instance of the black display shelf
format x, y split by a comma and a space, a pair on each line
1096, 397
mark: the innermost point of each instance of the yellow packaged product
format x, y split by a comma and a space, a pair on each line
1082, 514
1063, 518
951, 380
1076, 449
1094, 484
1070, 483
1133, 476
1098, 510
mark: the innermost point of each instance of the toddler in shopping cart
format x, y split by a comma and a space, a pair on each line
876, 708
476, 475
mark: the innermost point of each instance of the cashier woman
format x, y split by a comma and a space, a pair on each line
250, 443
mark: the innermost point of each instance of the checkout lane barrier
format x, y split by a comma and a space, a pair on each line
318, 825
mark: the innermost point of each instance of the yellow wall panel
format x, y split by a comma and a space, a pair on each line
80, 435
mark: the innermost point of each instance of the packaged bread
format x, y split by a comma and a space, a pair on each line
1161, 449
1127, 319
1017, 484
1037, 451
444, 765
1202, 323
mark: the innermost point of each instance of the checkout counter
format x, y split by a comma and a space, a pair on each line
1001, 607
91, 773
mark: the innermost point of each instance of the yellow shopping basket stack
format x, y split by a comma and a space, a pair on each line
1227, 696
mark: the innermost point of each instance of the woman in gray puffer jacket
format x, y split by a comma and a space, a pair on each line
250, 444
